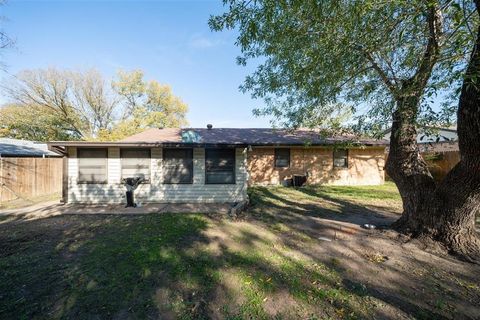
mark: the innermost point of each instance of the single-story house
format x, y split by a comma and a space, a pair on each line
214, 164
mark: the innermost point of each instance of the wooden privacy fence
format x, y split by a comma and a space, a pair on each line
440, 163
29, 177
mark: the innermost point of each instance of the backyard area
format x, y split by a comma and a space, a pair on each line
294, 254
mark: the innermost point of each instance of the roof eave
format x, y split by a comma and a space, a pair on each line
63, 144
59, 146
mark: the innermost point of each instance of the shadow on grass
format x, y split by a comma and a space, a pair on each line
143, 267
98, 266
84, 267
323, 206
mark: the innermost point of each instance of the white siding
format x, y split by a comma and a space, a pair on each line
114, 171
72, 166
156, 166
113, 191
198, 166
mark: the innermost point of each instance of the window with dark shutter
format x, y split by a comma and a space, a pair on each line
340, 158
135, 163
220, 166
92, 165
177, 166
282, 157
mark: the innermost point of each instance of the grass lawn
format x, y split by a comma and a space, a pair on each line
296, 253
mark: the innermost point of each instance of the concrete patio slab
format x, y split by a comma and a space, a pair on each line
53, 208
146, 208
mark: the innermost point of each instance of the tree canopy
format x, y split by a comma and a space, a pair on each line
146, 104
315, 53
390, 61
52, 104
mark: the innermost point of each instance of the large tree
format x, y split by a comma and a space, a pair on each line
53, 104
78, 99
32, 123
390, 57
456, 200
146, 104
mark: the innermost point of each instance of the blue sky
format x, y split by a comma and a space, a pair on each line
169, 40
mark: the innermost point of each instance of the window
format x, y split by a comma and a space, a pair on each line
135, 163
177, 166
92, 165
340, 158
282, 157
220, 166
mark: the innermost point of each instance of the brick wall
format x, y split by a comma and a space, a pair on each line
365, 166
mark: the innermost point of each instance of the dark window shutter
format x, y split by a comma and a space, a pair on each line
177, 166
220, 166
135, 163
92, 165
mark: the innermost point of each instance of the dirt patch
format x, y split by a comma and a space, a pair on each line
397, 274
283, 305
226, 298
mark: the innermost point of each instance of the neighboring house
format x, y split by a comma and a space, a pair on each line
24, 148
438, 147
214, 165
431, 134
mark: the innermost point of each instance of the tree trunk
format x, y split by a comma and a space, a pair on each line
456, 201
445, 213
406, 166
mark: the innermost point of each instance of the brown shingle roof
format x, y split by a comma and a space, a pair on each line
243, 136
155, 135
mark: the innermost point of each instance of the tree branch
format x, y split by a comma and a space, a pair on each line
432, 52
383, 75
